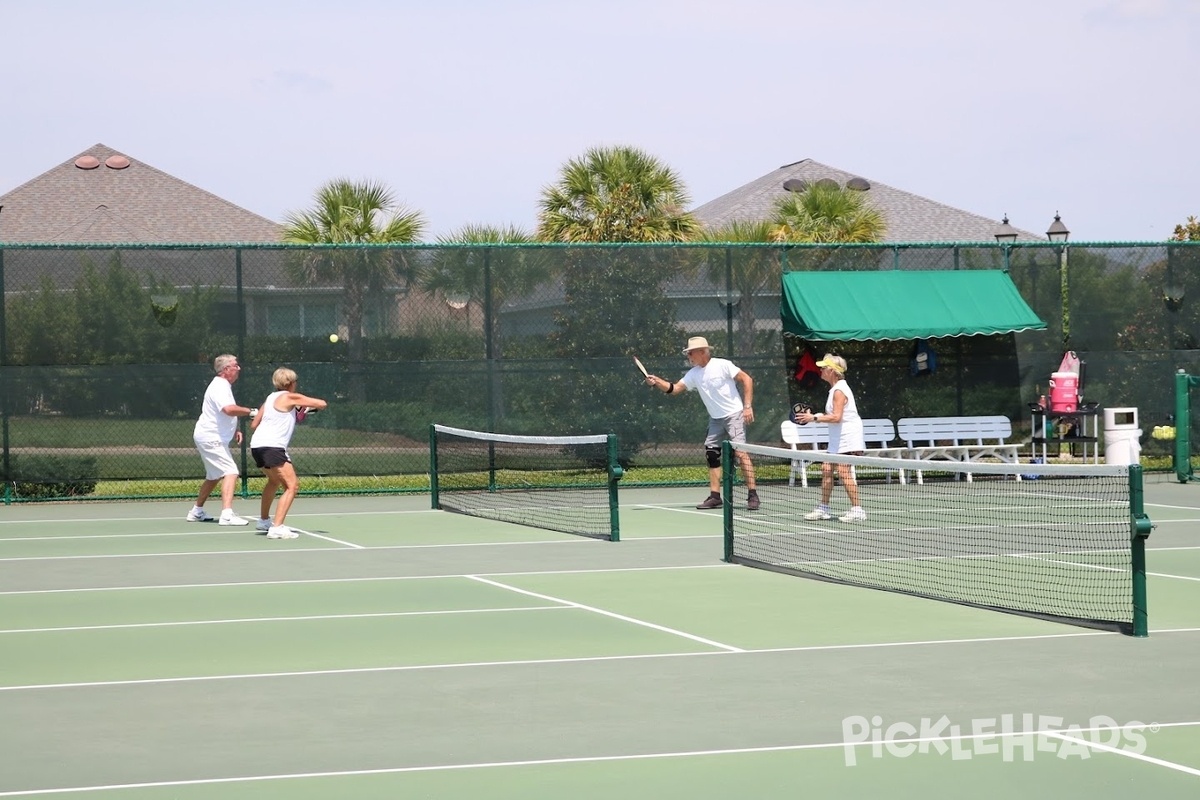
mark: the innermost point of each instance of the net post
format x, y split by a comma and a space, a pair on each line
727, 494
1183, 424
1139, 528
614, 474
492, 467
433, 467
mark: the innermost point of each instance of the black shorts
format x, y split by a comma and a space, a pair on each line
269, 457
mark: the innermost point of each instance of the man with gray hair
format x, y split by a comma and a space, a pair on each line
216, 425
717, 380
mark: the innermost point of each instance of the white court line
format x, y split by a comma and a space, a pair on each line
541, 762
180, 519
1158, 762
1176, 577
578, 660
622, 617
576, 540
1112, 569
327, 538
572, 540
305, 618
555, 540
302, 581
17, 539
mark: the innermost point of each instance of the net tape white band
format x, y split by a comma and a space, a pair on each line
939, 465
510, 439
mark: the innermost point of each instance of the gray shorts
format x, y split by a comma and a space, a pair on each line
732, 428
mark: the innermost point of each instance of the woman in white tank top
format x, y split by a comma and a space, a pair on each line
845, 437
272, 431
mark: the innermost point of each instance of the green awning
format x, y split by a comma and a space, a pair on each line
903, 304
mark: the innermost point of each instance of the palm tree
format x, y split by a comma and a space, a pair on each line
616, 194
614, 303
743, 270
353, 213
485, 275
484, 264
827, 214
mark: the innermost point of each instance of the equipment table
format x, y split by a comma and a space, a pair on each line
1079, 427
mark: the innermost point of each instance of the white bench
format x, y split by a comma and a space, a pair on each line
877, 433
962, 439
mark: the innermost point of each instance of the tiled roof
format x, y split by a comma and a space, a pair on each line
909, 217
77, 203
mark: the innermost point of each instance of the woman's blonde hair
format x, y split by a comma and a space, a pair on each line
283, 378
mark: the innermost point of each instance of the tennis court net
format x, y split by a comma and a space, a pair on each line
559, 483
1055, 544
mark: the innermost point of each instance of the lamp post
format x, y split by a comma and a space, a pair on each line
1058, 234
1006, 234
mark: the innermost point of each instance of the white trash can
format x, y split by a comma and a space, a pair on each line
1122, 436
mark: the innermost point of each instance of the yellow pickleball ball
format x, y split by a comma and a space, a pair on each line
333, 337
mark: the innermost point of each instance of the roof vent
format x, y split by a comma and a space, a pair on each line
858, 184
116, 162
795, 185
828, 183
87, 162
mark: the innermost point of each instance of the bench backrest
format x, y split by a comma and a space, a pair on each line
815, 435
961, 430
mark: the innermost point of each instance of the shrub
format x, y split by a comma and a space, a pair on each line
37, 477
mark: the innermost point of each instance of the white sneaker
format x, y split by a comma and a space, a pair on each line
263, 525
229, 518
282, 532
855, 514
198, 515
818, 513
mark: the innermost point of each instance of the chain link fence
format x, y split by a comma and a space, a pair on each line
105, 352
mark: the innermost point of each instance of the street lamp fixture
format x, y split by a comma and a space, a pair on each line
1057, 232
1006, 234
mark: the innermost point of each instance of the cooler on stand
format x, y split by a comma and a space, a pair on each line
1064, 391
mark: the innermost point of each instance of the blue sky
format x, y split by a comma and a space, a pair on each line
467, 109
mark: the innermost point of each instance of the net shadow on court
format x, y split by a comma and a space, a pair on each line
398, 650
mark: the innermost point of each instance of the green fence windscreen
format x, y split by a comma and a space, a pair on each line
105, 352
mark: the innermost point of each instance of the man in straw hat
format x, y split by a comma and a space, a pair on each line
845, 436
717, 380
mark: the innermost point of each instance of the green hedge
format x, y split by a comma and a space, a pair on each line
37, 477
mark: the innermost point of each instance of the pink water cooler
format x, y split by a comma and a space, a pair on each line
1064, 391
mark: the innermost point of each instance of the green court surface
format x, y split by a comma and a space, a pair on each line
395, 651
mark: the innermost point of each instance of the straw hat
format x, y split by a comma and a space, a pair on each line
696, 343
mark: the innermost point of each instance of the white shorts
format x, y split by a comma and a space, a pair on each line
218, 461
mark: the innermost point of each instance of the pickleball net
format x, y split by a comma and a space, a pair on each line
1046, 540
558, 483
